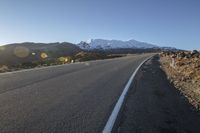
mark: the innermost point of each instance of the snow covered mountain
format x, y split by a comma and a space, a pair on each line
114, 44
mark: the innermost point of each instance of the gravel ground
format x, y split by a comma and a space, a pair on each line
153, 105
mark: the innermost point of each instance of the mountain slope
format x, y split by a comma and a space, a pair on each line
114, 44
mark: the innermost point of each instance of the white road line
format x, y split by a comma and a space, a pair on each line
111, 121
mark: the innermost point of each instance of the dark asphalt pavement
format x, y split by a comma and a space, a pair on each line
75, 98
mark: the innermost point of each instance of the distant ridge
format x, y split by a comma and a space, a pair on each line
115, 44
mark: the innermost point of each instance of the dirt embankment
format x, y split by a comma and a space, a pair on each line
183, 70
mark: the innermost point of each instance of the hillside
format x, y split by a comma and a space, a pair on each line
17, 53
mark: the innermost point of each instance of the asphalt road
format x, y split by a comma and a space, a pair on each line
68, 98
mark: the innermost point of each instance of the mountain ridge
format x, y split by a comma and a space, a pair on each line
114, 44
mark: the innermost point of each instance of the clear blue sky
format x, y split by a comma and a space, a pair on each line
162, 22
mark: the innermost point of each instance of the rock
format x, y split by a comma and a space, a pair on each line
181, 55
4, 68
195, 54
173, 56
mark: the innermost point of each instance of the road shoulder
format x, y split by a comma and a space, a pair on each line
153, 105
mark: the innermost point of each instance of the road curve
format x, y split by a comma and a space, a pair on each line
69, 98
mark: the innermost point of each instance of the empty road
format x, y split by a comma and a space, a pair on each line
68, 98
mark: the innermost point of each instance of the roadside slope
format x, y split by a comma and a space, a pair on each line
155, 106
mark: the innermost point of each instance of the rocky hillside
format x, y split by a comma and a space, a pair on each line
183, 69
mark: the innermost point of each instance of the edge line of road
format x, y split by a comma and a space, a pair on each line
111, 121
